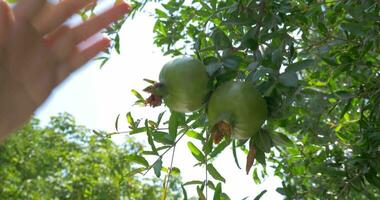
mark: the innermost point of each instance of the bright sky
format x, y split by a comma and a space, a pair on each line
96, 96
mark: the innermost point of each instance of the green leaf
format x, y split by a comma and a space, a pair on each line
280, 190
173, 125
218, 149
218, 191
255, 177
161, 14
163, 138
184, 192
138, 159
196, 152
331, 61
251, 43
263, 141
210, 59
232, 62
117, 43
332, 171
214, 173
151, 82
354, 28
157, 167
160, 118
138, 95
234, 153
346, 108
280, 139
117, 123
258, 197
97, 133
225, 196
104, 61
137, 130
213, 68
260, 73
373, 179
194, 182
130, 120
241, 142
150, 137
277, 58
194, 134
151, 153
298, 66
207, 147
375, 136
164, 147
135, 171
220, 39
211, 185
227, 75
260, 156
176, 171
289, 79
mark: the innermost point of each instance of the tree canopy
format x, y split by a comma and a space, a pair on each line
67, 161
317, 64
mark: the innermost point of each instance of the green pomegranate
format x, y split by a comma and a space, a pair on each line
236, 110
183, 85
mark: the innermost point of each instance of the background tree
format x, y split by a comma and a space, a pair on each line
67, 161
317, 64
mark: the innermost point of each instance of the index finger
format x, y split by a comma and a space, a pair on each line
64, 44
53, 16
94, 25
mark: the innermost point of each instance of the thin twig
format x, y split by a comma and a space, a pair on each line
206, 179
346, 185
126, 132
166, 185
207, 138
151, 166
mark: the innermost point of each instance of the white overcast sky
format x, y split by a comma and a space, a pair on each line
96, 96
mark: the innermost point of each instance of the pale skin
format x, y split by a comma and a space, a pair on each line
37, 52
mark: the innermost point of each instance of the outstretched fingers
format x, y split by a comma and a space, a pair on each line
94, 25
63, 46
53, 16
81, 57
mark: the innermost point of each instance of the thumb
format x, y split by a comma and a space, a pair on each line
5, 21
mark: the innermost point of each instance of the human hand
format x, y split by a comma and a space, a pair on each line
37, 52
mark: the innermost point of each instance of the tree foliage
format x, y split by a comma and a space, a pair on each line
67, 161
317, 64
